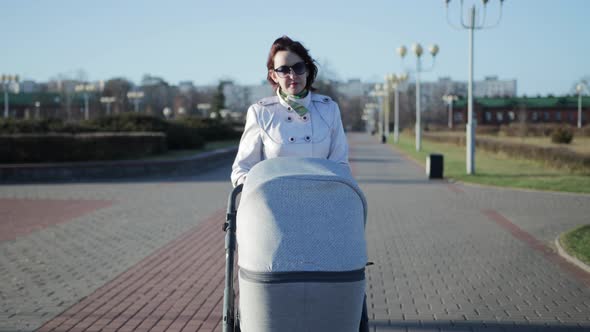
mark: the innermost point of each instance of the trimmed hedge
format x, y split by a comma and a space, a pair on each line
560, 157
515, 129
183, 137
129, 122
210, 129
11, 126
30, 148
187, 133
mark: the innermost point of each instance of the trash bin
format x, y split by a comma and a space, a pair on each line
435, 166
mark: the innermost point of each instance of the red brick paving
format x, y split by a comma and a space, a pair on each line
20, 217
178, 288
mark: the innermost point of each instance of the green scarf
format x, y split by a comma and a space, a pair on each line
300, 109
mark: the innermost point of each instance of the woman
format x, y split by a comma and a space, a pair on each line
295, 122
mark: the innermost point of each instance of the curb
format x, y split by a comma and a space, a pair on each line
105, 170
570, 258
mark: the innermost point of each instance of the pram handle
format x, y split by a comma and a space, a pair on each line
231, 206
229, 227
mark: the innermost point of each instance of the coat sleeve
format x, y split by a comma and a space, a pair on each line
250, 149
338, 145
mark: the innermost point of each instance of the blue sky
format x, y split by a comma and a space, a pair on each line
544, 44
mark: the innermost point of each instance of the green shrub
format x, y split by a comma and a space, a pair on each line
128, 122
30, 148
562, 136
51, 125
211, 129
180, 136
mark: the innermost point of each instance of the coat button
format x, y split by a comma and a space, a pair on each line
289, 119
308, 138
289, 109
291, 139
304, 118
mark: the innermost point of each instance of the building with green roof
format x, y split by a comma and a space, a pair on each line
498, 111
35, 104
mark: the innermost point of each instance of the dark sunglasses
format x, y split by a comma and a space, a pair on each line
299, 69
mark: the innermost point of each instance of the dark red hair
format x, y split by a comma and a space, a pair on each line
285, 43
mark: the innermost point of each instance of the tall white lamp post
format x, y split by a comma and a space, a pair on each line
417, 48
6, 81
472, 25
370, 113
580, 87
85, 89
449, 99
108, 101
379, 93
395, 82
37, 110
136, 96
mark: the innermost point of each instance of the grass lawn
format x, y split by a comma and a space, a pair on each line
187, 153
577, 243
496, 169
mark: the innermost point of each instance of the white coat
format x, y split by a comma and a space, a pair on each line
273, 130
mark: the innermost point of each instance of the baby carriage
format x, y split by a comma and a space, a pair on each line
301, 246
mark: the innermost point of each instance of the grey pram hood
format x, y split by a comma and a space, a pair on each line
301, 214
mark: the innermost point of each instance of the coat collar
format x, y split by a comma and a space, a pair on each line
303, 101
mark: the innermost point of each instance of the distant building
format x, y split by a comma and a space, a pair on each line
492, 87
33, 105
499, 111
186, 87
29, 86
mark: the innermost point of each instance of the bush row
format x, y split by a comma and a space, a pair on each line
517, 129
62, 147
553, 156
185, 133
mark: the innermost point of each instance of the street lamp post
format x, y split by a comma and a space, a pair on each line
471, 26
167, 112
580, 87
136, 96
85, 89
108, 101
379, 93
449, 99
6, 80
395, 82
386, 107
417, 48
369, 112
37, 109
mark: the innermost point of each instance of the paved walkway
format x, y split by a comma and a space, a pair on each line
148, 255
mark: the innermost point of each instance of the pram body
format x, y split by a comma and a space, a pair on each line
301, 247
